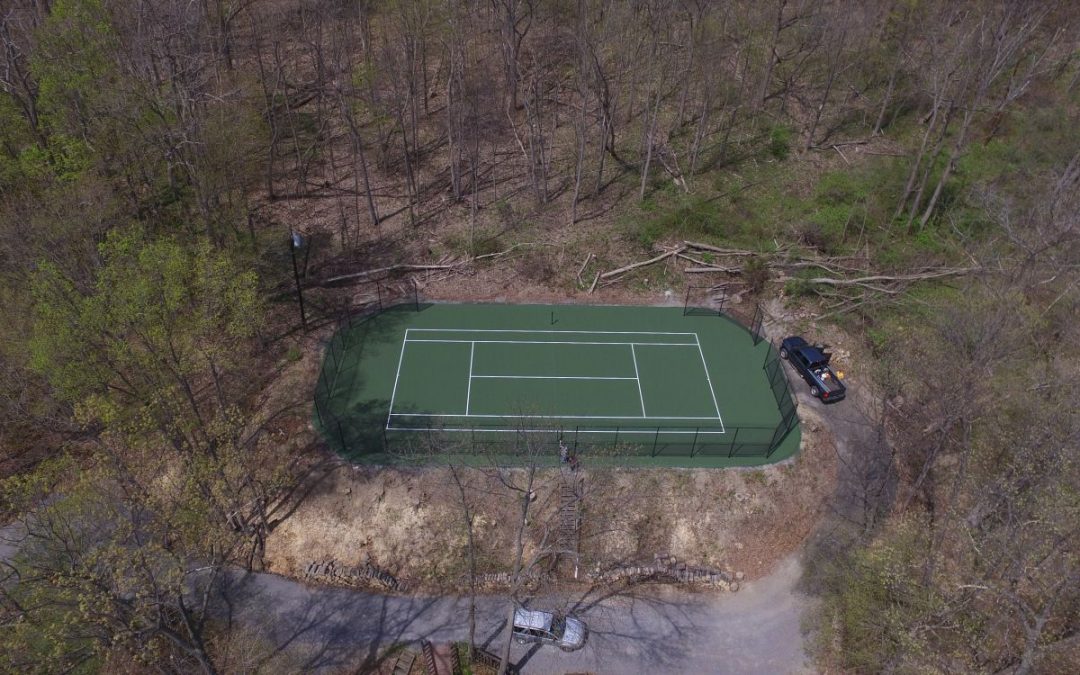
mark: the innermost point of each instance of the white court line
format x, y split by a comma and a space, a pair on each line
401, 358
468, 393
556, 417
516, 330
709, 380
621, 432
637, 376
548, 377
563, 342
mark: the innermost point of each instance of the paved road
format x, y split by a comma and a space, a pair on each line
652, 629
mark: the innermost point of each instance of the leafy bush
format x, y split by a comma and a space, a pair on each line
780, 142
689, 217
756, 273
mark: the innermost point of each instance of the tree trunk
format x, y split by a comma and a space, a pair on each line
950, 166
770, 63
650, 130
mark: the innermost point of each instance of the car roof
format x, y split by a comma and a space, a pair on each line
813, 354
534, 619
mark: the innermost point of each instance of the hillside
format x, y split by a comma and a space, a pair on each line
899, 179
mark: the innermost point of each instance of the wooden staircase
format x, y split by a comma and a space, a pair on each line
568, 532
404, 662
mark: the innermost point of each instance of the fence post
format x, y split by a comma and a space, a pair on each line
341, 435
693, 445
731, 450
654, 441
378, 293
756, 323
615, 444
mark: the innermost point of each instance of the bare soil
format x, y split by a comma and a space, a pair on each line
410, 522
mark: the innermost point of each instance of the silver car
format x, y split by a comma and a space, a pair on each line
566, 633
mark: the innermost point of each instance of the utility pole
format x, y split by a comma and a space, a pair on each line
295, 242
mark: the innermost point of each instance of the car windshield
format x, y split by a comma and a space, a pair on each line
558, 627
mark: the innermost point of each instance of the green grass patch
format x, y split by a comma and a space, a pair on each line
477, 242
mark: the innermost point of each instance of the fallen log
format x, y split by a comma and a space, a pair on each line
703, 266
920, 276
643, 263
500, 253
585, 264
407, 267
383, 270
717, 249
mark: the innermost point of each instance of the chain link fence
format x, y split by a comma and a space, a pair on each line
364, 430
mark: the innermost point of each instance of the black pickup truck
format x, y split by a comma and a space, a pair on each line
813, 364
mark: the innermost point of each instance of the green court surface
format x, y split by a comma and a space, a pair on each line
642, 386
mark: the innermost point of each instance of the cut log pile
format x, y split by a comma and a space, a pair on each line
667, 568
330, 571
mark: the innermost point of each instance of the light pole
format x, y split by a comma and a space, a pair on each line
295, 242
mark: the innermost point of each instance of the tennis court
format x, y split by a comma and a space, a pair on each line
592, 379
611, 381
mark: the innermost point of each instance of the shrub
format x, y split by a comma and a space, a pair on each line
756, 273
780, 142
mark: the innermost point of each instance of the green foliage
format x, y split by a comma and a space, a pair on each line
798, 285
780, 142
756, 273
878, 595
159, 314
688, 217
474, 243
96, 576
72, 64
